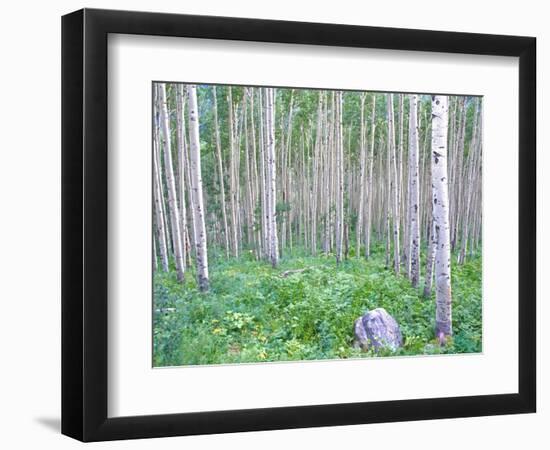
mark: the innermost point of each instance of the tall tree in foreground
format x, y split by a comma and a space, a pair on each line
196, 189
171, 183
414, 194
443, 312
394, 184
271, 176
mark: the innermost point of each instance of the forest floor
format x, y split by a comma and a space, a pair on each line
254, 313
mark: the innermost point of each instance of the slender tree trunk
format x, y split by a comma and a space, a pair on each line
155, 260
370, 194
327, 176
316, 174
263, 180
233, 177
394, 185
248, 177
430, 259
388, 201
443, 316
339, 225
362, 163
220, 173
159, 216
180, 112
170, 181
271, 169
189, 236
255, 184
399, 180
196, 177
414, 215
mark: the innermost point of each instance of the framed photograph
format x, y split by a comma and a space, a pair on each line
273, 224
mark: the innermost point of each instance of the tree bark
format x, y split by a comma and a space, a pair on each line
414, 197
233, 177
339, 225
196, 192
171, 184
220, 172
159, 216
180, 112
271, 169
362, 163
393, 185
370, 192
443, 316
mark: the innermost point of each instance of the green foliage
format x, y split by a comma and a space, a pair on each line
253, 313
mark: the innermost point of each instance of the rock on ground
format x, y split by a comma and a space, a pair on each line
377, 329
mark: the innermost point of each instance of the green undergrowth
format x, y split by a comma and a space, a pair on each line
253, 314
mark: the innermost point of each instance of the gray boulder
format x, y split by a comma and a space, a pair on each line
377, 329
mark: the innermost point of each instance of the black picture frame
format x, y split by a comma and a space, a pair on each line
84, 224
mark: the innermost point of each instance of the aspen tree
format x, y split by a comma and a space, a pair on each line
157, 193
443, 315
393, 184
370, 192
233, 176
271, 170
189, 236
316, 174
414, 201
220, 171
255, 183
171, 184
196, 190
263, 178
339, 178
248, 176
180, 142
362, 164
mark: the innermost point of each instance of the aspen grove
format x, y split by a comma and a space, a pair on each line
280, 215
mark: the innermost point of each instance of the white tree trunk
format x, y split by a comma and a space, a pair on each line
233, 177
394, 184
443, 314
263, 178
180, 133
316, 174
171, 183
196, 189
338, 146
362, 164
271, 178
220, 172
159, 216
430, 258
370, 192
414, 194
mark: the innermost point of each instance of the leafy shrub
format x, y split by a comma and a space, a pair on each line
252, 313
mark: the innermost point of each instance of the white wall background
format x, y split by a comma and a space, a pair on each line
30, 226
